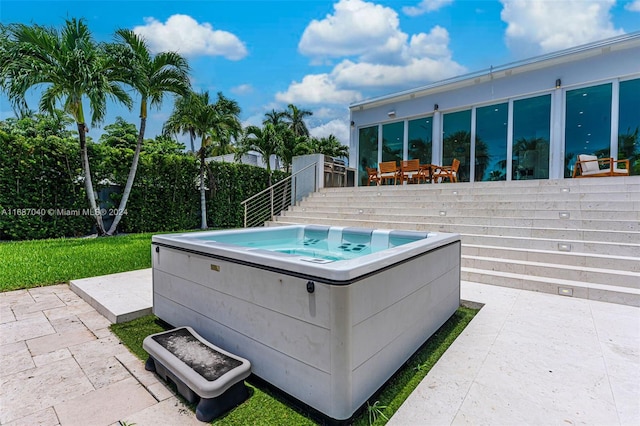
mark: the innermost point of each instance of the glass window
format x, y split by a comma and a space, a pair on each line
456, 141
588, 124
367, 152
392, 141
491, 142
531, 134
420, 135
629, 124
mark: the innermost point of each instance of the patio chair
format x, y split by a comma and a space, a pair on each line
373, 176
388, 170
592, 166
440, 173
410, 171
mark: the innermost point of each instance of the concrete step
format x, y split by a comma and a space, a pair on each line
571, 197
602, 261
582, 274
119, 297
417, 202
601, 292
442, 217
564, 186
481, 188
559, 245
431, 209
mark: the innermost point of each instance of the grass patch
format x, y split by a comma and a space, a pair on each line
34, 263
265, 407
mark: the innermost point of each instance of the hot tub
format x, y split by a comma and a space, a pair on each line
326, 314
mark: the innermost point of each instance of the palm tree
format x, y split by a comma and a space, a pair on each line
181, 119
329, 145
274, 117
226, 126
214, 123
290, 146
193, 113
295, 118
71, 67
266, 141
152, 77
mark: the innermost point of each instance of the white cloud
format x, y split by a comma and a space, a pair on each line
324, 113
183, 34
356, 28
435, 44
338, 127
375, 53
544, 26
317, 89
633, 6
425, 6
243, 89
417, 72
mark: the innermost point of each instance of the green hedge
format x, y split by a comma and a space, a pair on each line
39, 174
38, 184
164, 196
230, 185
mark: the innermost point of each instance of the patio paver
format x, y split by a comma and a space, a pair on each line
61, 365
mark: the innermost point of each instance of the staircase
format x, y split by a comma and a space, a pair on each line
574, 237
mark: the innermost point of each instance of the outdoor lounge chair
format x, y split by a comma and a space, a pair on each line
388, 170
592, 166
373, 176
440, 173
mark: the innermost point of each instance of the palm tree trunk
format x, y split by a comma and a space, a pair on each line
192, 135
88, 184
132, 176
203, 200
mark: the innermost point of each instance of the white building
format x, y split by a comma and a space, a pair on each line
525, 120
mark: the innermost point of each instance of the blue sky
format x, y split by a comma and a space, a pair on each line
324, 55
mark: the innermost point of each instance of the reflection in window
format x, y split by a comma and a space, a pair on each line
367, 151
531, 133
629, 124
392, 141
588, 124
420, 145
456, 141
491, 142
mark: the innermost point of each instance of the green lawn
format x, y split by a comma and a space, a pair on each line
26, 264
265, 407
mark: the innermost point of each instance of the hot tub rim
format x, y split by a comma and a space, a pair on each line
310, 277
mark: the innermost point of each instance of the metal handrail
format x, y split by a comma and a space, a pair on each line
268, 203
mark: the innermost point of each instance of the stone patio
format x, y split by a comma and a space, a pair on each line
61, 365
